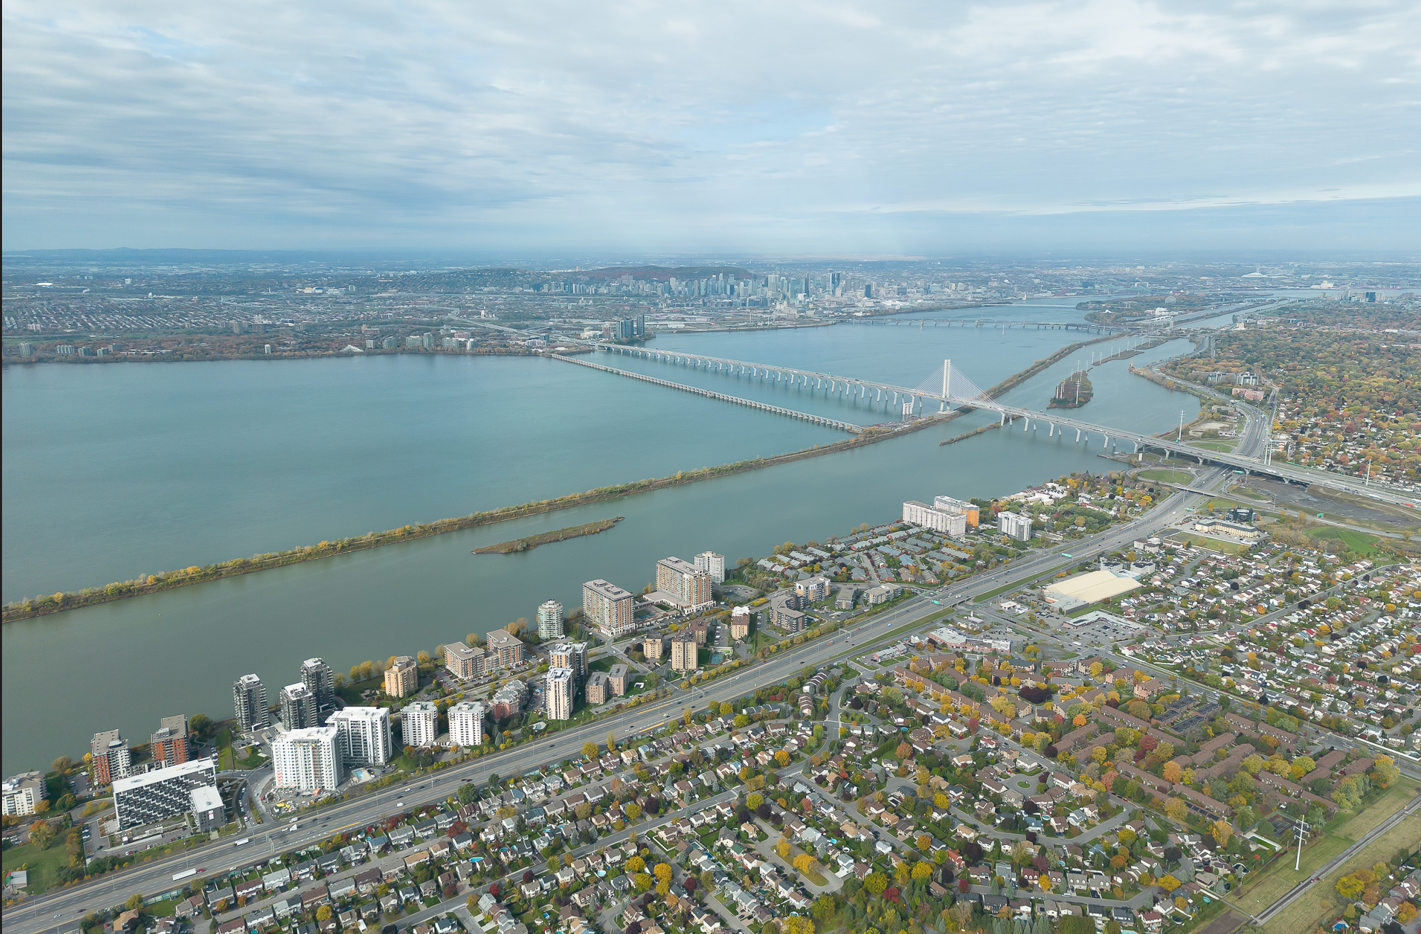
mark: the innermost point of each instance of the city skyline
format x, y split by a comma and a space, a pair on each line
847, 130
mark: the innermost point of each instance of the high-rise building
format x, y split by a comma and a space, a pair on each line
570, 655
364, 734
298, 707
617, 678
683, 653
466, 723
110, 756
686, 586
152, 796
21, 794
813, 589
419, 722
402, 677
550, 621
713, 564
169, 744
608, 609
1014, 526
959, 507
561, 685
505, 650
652, 647
308, 759
249, 701
320, 680
938, 520
464, 662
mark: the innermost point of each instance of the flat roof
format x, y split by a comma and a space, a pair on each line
1093, 586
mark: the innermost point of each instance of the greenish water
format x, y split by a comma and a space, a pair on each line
111, 471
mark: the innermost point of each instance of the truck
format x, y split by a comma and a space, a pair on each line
243, 842
178, 876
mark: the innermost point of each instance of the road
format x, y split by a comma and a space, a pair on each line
52, 908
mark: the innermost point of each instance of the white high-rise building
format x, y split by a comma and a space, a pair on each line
320, 680
466, 723
420, 724
364, 735
561, 690
1014, 526
307, 759
550, 621
939, 520
249, 703
713, 564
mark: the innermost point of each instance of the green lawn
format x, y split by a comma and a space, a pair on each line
1273, 883
1167, 476
1360, 542
43, 866
1214, 445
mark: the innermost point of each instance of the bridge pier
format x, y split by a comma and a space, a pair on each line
1078, 436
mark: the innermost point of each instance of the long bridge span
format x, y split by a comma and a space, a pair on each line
950, 389
988, 324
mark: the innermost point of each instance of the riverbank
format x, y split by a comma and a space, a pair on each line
530, 542
970, 434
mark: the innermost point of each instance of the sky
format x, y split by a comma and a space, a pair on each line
847, 128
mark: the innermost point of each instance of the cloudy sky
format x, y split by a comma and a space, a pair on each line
878, 127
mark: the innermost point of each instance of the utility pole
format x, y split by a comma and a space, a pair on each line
1180, 436
1302, 832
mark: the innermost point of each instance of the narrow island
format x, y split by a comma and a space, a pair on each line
1072, 392
530, 542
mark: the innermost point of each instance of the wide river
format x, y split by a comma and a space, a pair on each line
112, 471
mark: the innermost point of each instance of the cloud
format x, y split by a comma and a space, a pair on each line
638, 125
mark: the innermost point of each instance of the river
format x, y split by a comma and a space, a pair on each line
149, 467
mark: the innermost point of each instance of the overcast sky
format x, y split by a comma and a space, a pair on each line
874, 128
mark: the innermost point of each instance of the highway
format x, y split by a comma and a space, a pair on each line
49, 910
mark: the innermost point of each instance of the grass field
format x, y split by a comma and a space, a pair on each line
1360, 542
42, 866
1214, 445
1273, 883
1365, 820
1313, 908
1167, 476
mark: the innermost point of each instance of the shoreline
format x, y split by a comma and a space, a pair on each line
48, 605
529, 542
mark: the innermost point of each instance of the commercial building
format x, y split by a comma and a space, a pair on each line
21, 794
1090, 587
608, 609
169, 743
938, 520
653, 647
1014, 526
160, 793
562, 682
364, 735
550, 621
308, 760
570, 655
684, 653
249, 702
464, 662
466, 723
504, 651
1236, 531
402, 677
961, 507
298, 707
740, 623
320, 680
599, 688
713, 564
509, 699
617, 678
419, 724
681, 582
110, 757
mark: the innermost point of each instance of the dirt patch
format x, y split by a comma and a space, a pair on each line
1314, 500
1226, 923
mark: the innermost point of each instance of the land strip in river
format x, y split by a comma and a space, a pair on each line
29, 608
529, 542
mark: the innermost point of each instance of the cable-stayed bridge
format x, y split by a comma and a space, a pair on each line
948, 388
